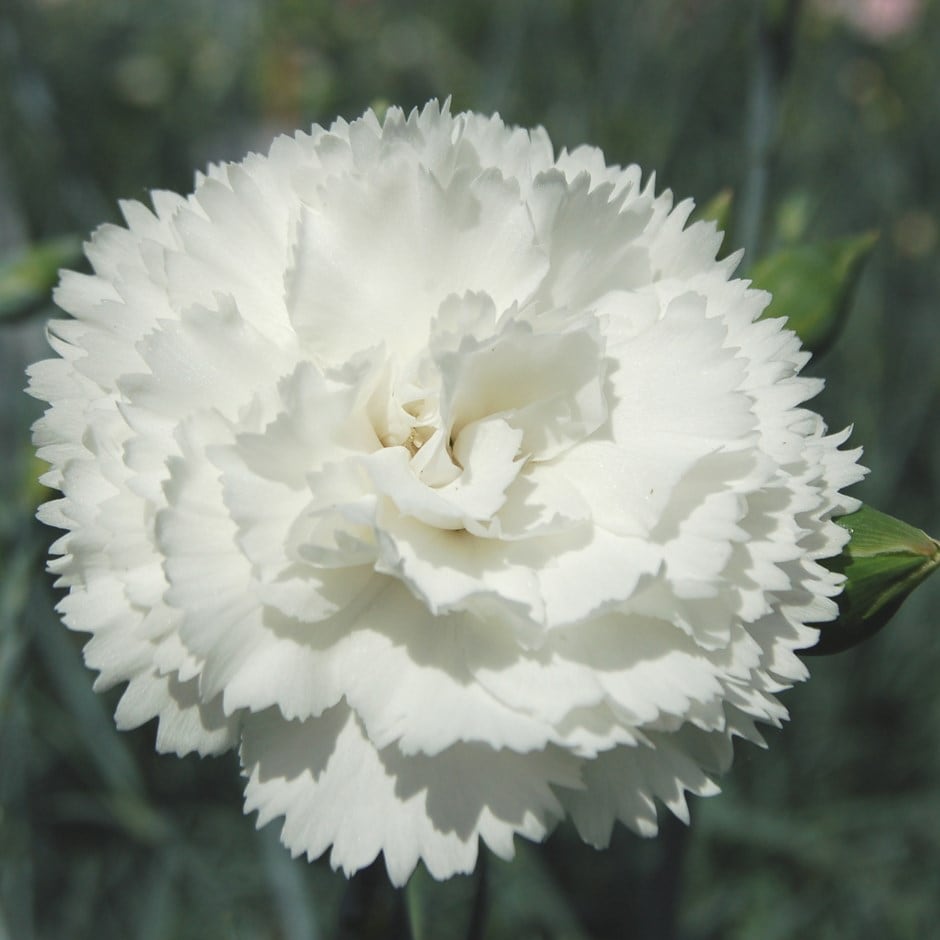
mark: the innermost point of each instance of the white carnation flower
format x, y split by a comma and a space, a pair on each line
456, 484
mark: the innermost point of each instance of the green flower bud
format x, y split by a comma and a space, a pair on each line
883, 562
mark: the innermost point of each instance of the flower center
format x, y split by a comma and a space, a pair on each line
407, 414
419, 435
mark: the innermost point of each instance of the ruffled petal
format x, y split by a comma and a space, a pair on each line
433, 809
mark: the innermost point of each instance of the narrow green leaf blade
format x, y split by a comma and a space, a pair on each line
717, 209
813, 285
527, 901
443, 908
883, 562
27, 279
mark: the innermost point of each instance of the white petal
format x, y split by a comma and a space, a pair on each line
409, 808
624, 783
401, 213
185, 724
546, 383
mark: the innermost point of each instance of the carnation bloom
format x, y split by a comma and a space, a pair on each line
454, 483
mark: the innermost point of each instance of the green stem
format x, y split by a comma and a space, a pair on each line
371, 909
477, 925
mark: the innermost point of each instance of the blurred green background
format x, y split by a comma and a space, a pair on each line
830, 128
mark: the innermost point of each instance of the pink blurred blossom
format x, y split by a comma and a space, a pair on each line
878, 20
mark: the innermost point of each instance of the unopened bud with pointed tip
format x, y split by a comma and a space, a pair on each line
883, 562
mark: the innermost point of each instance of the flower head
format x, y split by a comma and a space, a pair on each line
456, 484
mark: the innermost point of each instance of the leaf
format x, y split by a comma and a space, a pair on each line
526, 902
883, 562
295, 907
717, 210
502, 900
17, 564
32, 492
27, 279
93, 731
813, 285
445, 908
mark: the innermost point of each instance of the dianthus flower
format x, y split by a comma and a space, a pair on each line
454, 483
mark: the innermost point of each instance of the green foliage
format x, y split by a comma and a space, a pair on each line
884, 561
515, 900
27, 280
717, 209
813, 286
527, 902
458, 903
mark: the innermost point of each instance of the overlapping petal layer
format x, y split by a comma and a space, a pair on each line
459, 486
